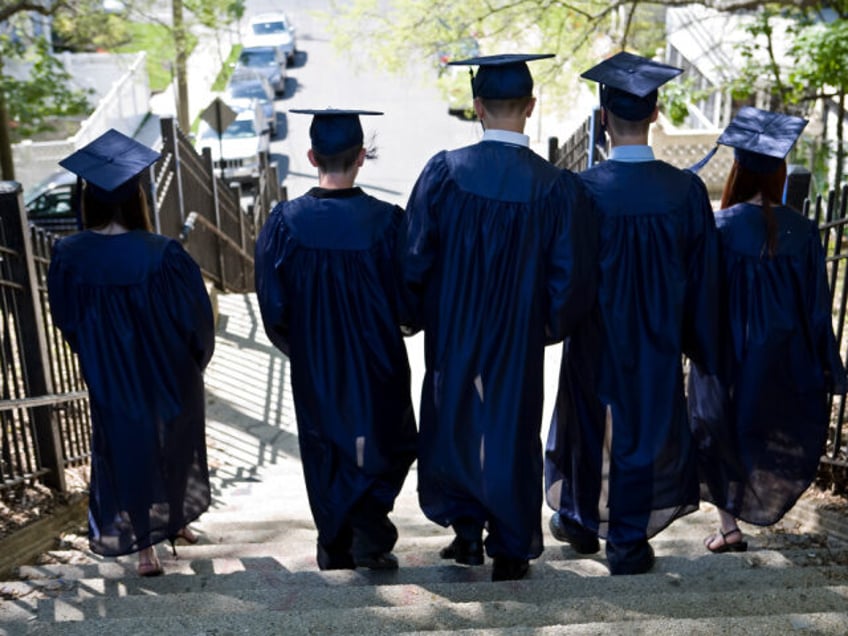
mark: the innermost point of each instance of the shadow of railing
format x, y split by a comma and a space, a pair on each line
250, 420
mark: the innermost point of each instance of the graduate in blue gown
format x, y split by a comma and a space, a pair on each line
328, 283
133, 306
762, 421
500, 261
620, 459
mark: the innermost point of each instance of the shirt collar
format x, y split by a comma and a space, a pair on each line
506, 137
632, 154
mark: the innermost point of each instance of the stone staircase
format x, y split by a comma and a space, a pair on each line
254, 572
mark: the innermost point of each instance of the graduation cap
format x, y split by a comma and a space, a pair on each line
504, 76
333, 129
760, 139
111, 165
629, 84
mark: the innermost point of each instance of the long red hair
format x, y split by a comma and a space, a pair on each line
743, 184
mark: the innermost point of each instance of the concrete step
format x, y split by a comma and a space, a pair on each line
835, 623
461, 584
295, 552
415, 608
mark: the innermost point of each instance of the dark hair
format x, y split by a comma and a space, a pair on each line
339, 162
512, 107
743, 184
344, 160
626, 127
132, 213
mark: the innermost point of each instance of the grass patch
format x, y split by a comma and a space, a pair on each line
227, 70
158, 42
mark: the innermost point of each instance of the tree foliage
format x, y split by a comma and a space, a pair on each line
579, 32
36, 102
815, 68
29, 103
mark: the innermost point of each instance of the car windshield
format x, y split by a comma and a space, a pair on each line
239, 129
37, 190
266, 28
257, 58
249, 90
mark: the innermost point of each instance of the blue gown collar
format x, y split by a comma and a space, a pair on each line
333, 193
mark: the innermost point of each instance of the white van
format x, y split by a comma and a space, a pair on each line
273, 29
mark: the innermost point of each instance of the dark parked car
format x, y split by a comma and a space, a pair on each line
269, 61
50, 203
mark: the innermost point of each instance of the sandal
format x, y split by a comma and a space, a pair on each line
150, 565
186, 534
726, 546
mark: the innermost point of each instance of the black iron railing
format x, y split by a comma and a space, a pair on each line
831, 215
44, 413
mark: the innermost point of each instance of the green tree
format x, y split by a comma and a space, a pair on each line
28, 104
578, 31
816, 69
217, 15
395, 31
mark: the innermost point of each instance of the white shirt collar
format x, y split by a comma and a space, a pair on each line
632, 154
506, 137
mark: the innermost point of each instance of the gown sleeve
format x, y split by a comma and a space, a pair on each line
701, 310
419, 239
269, 262
572, 256
61, 289
187, 301
827, 348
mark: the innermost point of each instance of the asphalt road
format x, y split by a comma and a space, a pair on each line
415, 126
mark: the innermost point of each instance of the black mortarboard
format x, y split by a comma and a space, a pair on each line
629, 84
761, 139
111, 165
334, 130
503, 76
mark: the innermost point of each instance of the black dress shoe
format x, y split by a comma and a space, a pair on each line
382, 561
334, 560
463, 551
509, 568
630, 558
583, 541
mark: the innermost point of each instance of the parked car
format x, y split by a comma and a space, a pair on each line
235, 154
273, 29
269, 61
49, 204
248, 84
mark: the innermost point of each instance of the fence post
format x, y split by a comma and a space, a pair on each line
168, 126
33, 339
797, 186
206, 153
553, 150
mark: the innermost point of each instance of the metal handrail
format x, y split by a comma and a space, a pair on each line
42, 400
191, 221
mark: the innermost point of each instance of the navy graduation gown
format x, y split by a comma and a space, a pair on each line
762, 423
499, 259
328, 285
620, 458
135, 309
